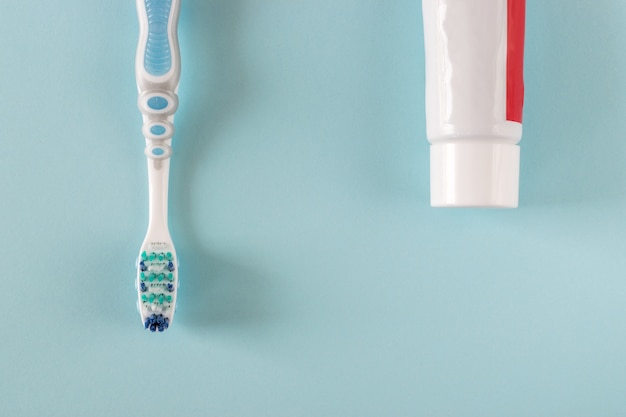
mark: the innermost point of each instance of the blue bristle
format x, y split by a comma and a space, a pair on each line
170, 266
170, 287
143, 266
157, 322
143, 287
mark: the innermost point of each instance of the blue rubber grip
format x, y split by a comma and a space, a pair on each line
158, 56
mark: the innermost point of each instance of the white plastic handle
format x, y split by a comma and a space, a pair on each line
158, 55
157, 66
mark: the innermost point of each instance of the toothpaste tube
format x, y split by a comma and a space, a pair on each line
474, 99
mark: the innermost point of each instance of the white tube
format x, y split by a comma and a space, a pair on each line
474, 98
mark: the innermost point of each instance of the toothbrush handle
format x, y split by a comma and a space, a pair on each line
157, 69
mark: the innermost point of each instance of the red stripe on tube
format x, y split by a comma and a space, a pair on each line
515, 60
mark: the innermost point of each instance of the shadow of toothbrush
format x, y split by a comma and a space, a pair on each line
213, 291
229, 295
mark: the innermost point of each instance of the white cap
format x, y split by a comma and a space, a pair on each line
474, 174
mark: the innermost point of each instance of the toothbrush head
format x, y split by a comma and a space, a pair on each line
157, 283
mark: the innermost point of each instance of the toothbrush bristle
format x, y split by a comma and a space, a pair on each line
157, 322
157, 286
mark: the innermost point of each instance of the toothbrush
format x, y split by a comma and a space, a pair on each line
157, 68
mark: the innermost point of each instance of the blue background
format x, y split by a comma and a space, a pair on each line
316, 279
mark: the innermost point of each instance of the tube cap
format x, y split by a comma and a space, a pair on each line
474, 174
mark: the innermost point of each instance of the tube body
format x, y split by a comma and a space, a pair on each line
474, 99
